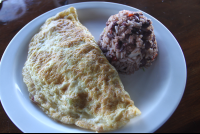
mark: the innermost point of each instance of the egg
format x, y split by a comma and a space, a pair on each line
70, 79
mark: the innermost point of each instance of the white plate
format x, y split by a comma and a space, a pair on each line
156, 91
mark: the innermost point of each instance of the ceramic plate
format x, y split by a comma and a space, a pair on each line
156, 91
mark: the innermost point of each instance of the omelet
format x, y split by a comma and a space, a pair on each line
70, 79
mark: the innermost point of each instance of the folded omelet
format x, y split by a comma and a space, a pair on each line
71, 80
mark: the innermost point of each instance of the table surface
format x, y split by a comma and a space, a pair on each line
181, 17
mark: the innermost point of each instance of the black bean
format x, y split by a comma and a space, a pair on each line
143, 51
154, 38
146, 24
147, 45
144, 39
134, 43
108, 58
110, 35
137, 14
146, 34
119, 45
136, 31
137, 19
104, 50
115, 23
113, 26
149, 58
125, 68
122, 48
149, 32
127, 36
143, 62
128, 52
140, 31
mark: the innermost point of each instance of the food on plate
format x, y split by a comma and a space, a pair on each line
128, 41
71, 80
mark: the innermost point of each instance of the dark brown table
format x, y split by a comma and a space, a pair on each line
181, 17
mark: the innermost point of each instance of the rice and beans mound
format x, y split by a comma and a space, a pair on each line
128, 41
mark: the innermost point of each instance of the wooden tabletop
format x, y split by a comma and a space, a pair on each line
181, 17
